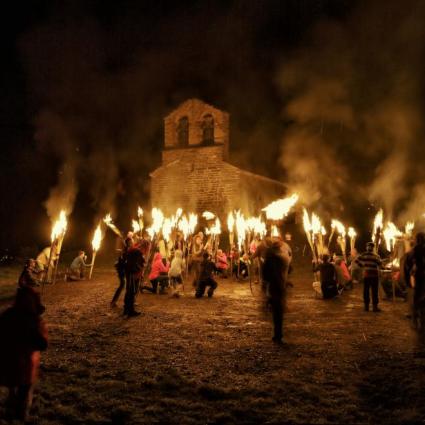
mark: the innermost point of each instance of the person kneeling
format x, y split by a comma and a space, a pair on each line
76, 269
328, 280
159, 274
206, 277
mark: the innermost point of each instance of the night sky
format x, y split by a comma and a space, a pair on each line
332, 91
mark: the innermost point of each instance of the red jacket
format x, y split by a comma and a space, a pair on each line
158, 267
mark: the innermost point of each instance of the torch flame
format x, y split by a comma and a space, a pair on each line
279, 209
306, 221
274, 232
215, 229
193, 221
240, 229
167, 226
351, 232
157, 221
408, 229
60, 226
255, 225
378, 223
136, 226
230, 222
340, 228
184, 226
97, 238
139, 212
316, 225
391, 233
208, 215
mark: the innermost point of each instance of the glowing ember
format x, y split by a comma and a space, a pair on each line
60, 226
97, 239
279, 209
136, 226
208, 215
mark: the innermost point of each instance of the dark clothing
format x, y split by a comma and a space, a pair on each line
370, 264
162, 280
207, 269
419, 273
328, 279
371, 284
23, 334
120, 268
407, 264
274, 273
133, 272
27, 278
202, 285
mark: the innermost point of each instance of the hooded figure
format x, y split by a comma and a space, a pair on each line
23, 334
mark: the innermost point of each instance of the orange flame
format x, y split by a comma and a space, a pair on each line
97, 239
60, 226
279, 209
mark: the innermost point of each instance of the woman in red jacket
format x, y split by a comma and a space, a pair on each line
159, 274
23, 335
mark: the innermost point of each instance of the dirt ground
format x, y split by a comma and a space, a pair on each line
212, 361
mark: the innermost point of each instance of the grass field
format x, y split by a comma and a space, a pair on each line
211, 361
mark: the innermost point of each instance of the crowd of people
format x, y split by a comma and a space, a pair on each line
398, 276
159, 268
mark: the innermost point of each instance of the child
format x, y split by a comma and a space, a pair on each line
175, 273
23, 334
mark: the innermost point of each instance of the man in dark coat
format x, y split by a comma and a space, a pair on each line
206, 270
133, 273
274, 274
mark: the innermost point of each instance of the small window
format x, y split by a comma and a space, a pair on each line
208, 130
183, 132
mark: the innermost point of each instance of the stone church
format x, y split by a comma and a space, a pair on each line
195, 173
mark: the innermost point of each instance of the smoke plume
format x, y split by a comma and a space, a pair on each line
353, 98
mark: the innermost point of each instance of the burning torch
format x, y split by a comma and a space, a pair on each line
97, 238
57, 235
